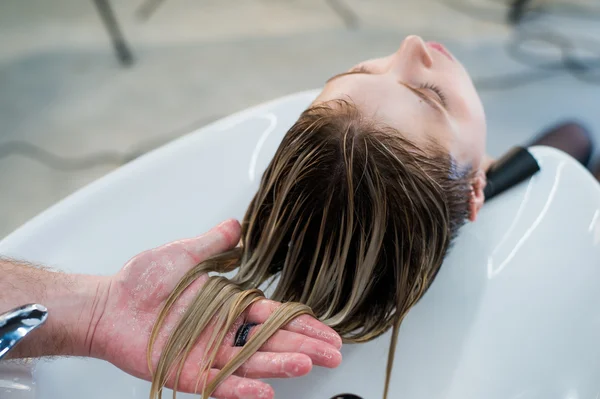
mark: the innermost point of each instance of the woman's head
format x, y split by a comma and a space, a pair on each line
424, 93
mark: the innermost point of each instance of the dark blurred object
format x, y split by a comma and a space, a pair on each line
112, 26
517, 10
570, 137
508, 171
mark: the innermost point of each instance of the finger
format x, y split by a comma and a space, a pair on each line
321, 353
219, 239
233, 387
286, 342
269, 365
260, 311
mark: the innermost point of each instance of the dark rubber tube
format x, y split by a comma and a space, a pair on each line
241, 337
511, 169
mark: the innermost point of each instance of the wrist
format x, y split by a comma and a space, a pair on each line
76, 314
74, 304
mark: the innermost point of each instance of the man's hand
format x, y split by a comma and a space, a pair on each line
128, 304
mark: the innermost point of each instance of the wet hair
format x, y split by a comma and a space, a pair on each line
351, 222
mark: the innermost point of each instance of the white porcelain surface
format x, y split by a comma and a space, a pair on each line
513, 313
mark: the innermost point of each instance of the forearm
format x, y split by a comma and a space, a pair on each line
73, 303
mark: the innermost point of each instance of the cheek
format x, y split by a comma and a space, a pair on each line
477, 138
480, 125
473, 138
471, 106
471, 114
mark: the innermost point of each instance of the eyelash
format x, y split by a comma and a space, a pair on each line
437, 91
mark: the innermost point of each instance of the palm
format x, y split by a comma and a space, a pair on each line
139, 290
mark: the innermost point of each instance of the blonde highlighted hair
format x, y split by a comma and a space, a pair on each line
351, 220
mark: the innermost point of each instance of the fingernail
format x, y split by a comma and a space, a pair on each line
338, 341
297, 366
334, 358
223, 223
338, 356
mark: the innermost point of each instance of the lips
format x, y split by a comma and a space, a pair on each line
441, 49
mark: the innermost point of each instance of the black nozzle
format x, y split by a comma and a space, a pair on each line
508, 171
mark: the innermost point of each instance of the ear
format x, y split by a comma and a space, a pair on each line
477, 198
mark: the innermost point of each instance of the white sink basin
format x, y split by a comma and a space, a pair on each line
513, 314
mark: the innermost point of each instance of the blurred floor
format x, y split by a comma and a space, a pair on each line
61, 88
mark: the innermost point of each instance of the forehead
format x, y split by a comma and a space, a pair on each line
384, 99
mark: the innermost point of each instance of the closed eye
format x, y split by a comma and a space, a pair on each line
435, 105
437, 91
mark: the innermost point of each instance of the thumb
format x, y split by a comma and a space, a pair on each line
219, 239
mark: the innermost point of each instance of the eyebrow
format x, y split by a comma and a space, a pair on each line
365, 71
352, 72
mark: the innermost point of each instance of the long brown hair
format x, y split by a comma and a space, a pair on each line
353, 221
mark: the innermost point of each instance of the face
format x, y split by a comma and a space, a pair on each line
422, 91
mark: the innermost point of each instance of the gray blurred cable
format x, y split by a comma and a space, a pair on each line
116, 158
28, 150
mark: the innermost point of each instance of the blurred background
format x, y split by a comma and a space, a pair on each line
88, 85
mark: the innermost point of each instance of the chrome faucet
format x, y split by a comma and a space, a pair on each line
17, 323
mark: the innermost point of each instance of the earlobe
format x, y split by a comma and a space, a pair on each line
477, 198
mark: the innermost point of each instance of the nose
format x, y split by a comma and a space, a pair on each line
414, 52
